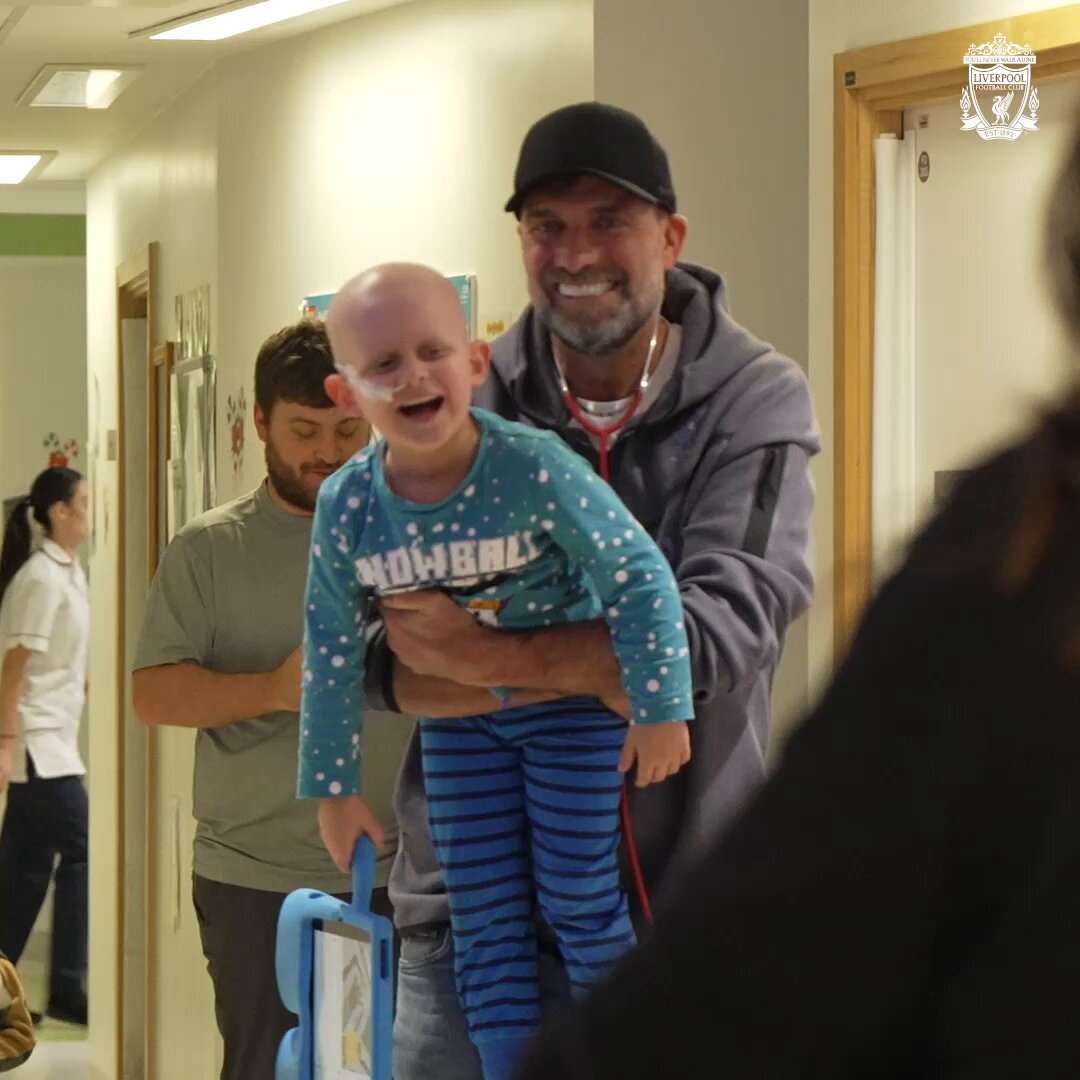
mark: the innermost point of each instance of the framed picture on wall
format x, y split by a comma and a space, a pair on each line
465, 286
316, 305
192, 441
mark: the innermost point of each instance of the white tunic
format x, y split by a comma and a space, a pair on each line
46, 610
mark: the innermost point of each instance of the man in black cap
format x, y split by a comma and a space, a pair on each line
706, 433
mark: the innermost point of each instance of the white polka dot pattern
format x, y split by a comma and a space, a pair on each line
532, 537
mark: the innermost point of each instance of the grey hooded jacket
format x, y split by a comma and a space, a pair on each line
717, 470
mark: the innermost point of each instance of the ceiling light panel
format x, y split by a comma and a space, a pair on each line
18, 166
78, 86
235, 19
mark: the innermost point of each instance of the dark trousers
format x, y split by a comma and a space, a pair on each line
46, 819
239, 935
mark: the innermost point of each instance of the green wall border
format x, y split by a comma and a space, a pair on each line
43, 234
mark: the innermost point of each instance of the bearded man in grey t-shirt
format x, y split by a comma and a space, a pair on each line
220, 652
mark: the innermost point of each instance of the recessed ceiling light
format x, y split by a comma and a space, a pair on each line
232, 19
78, 86
19, 165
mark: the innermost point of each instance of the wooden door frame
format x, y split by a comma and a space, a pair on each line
136, 281
871, 89
162, 358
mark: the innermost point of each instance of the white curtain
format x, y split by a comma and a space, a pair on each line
893, 506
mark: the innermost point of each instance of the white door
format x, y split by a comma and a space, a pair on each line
989, 348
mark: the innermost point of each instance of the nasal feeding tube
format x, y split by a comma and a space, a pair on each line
384, 385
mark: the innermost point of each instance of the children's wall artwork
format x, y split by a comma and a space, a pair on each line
236, 417
61, 454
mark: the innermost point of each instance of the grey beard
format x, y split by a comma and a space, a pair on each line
599, 339
605, 336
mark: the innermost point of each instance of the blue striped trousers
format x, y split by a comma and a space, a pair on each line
524, 808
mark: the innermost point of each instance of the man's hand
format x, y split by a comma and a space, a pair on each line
341, 824
435, 638
286, 682
529, 697
7, 763
660, 750
432, 635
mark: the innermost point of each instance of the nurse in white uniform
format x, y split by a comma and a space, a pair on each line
44, 631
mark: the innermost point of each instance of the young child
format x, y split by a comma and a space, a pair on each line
516, 527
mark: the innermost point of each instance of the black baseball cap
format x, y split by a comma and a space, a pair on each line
592, 139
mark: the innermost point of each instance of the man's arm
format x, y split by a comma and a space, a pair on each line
567, 660
426, 695
431, 637
173, 683
577, 660
189, 695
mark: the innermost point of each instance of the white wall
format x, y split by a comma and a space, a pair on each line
836, 26
390, 137
66, 197
162, 188
735, 132
42, 364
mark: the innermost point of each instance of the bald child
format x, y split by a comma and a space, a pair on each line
517, 529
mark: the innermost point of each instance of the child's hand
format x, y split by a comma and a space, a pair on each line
341, 823
661, 750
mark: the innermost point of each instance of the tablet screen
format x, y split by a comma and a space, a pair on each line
342, 1002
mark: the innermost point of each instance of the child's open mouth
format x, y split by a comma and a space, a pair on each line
421, 410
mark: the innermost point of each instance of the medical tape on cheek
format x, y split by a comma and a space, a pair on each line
369, 389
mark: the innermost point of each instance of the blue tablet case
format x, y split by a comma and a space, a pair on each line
303, 912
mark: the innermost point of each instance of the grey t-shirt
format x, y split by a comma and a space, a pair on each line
229, 595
